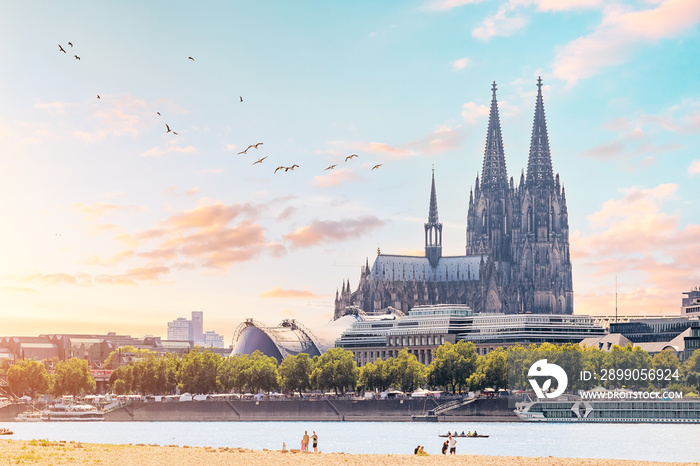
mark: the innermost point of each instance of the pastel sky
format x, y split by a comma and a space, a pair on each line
112, 224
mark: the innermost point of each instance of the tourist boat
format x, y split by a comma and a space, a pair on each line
464, 436
72, 412
29, 416
569, 409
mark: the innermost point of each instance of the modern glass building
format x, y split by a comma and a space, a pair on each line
427, 327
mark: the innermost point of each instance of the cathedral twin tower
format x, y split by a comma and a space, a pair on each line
517, 253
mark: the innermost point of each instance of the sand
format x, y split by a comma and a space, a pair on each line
43, 452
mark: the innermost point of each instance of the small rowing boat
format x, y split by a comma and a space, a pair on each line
6, 432
464, 436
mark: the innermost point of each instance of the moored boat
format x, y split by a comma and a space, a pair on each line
72, 412
29, 416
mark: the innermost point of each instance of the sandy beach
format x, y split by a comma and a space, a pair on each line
43, 452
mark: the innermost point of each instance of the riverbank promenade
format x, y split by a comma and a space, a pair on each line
41, 452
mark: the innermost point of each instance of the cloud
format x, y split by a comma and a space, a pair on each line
472, 111
620, 34
460, 63
694, 168
278, 292
559, 5
287, 213
159, 152
323, 231
230, 147
100, 208
205, 171
633, 238
175, 191
378, 148
443, 5
115, 259
499, 24
335, 177
51, 279
443, 139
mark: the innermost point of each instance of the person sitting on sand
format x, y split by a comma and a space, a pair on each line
421, 452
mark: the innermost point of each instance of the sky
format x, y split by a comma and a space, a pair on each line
111, 223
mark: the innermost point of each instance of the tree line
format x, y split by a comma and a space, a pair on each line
455, 368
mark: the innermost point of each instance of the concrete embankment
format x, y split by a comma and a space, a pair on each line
314, 410
399, 410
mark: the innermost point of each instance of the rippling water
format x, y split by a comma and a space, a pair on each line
659, 442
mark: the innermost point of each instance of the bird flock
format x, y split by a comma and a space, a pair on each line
280, 168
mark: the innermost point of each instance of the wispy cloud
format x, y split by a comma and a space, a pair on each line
443, 5
504, 23
159, 152
443, 139
472, 111
175, 191
101, 208
460, 63
620, 34
335, 177
694, 168
323, 231
278, 292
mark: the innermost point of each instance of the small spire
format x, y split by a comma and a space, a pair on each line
493, 173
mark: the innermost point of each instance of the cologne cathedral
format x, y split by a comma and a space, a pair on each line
517, 244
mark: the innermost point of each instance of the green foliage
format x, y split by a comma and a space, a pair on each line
491, 371
198, 371
261, 373
406, 372
117, 357
453, 365
666, 361
72, 377
231, 373
295, 373
28, 377
375, 375
335, 369
691, 370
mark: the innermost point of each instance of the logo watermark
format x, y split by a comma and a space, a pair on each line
542, 368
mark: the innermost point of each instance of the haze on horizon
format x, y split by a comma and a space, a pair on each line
114, 224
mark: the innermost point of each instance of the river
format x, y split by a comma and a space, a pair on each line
659, 442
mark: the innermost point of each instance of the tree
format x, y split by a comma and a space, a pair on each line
375, 375
233, 373
691, 370
261, 372
28, 377
406, 372
453, 365
492, 371
72, 377
335, 369
123, 355
295, 372
668, 364
198, 370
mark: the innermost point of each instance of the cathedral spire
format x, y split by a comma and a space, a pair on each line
539, 164
433, 229
493, 173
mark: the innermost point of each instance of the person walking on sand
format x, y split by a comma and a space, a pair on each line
305, 442
453, 446
445, 446
314, 437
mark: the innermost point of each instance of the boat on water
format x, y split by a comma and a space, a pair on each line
29, 416
464, 436
6, 432
72, 412
575, 409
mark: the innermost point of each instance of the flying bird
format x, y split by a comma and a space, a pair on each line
280, 168
260, 161
290, 168
240, 97
61, 48
168, 127
191, 58
158, 113
98, 96
258, 144
351, 156
174, 133
70, 43
330, 167
377, 166
76, 57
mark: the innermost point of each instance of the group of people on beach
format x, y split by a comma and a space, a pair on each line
450, 443
305, 441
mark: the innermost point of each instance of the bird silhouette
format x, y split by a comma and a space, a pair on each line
240, 97
70, 43
191, 58
280, 168
260, 161
168, 128
158, 113
61, 48
98, 96
258, 144
174, 133
377, 166
330, 167
246, 150
76, 57
351, 156
290, 168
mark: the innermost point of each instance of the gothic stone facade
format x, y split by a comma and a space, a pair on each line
517, 253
